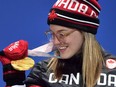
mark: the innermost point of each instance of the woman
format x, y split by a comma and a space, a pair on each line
83, 63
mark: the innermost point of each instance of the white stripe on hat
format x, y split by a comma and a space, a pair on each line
88, 22
92, 5
19, 86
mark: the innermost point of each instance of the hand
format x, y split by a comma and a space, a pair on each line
16, 50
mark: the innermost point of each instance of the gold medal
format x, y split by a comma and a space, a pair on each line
23, 64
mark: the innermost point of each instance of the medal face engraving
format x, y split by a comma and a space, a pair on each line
23, 64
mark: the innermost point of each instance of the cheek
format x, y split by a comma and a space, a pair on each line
76, 43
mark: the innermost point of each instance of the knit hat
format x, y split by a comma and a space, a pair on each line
79, 14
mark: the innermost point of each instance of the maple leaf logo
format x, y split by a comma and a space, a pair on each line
111, 63
52, 15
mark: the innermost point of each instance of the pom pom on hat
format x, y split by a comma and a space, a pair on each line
79, 14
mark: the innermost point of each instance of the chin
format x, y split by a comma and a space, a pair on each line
66, 56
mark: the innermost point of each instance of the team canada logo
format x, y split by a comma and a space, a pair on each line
111, 63
52, 15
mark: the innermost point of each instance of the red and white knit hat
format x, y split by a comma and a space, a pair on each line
79, 14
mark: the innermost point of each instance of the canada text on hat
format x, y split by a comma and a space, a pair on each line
79, 14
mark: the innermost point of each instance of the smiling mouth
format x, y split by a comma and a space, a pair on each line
62, 48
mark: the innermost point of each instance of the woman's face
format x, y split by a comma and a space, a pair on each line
68, 41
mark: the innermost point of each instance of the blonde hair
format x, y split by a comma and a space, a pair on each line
92, 61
